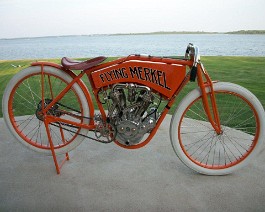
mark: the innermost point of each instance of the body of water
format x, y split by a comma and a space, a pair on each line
123, 45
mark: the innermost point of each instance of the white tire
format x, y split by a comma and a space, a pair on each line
24, 93
200, 148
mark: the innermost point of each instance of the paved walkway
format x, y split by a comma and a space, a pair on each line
105, 177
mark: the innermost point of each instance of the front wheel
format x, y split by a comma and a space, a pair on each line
198, 145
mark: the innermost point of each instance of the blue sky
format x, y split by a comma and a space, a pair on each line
30, 18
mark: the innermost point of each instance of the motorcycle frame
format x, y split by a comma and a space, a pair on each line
203, 79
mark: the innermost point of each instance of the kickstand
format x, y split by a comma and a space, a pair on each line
57, 165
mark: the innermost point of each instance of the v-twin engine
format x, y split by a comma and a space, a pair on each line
132, 110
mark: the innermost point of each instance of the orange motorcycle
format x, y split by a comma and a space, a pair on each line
215, 130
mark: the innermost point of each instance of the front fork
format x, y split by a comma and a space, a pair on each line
204, 81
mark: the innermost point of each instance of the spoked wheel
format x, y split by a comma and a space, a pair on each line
22, 108
199, 146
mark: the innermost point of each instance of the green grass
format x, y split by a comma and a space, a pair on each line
245, 71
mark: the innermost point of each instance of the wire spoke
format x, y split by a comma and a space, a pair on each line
201, 143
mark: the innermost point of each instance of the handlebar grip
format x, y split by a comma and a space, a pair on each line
193, 73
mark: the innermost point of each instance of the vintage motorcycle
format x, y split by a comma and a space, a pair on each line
215, 130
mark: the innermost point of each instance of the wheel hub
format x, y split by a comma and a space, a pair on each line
52, 111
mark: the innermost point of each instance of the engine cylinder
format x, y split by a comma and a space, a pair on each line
127, 112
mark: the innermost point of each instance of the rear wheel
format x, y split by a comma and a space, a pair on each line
22, 109
198, 145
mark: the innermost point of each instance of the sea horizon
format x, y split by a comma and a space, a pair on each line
239, 32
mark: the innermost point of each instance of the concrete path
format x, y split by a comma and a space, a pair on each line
105, 177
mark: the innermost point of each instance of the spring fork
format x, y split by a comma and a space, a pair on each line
215, 120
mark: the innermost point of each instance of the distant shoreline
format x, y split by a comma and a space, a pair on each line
240, 32
247, 32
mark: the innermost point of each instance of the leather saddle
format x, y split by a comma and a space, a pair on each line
81, 65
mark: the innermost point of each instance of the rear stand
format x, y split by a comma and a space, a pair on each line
57, 165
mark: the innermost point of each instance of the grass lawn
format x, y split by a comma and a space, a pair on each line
245, 71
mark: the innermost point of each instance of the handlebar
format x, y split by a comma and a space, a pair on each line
192, 53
